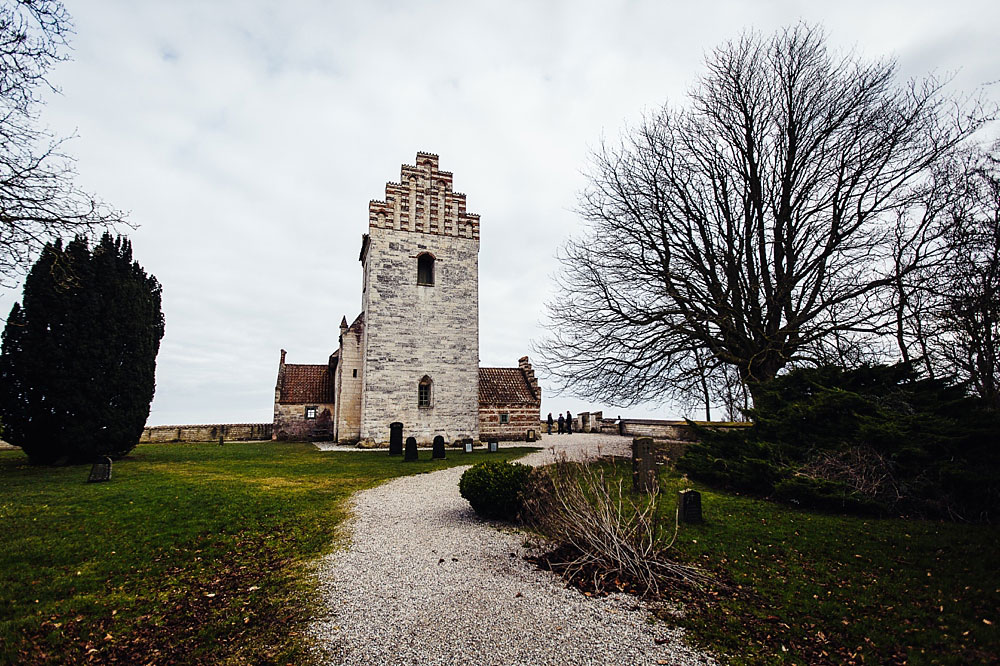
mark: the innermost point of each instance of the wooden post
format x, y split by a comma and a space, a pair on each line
643, 465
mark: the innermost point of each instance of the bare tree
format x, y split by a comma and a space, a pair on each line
970, 285
39, 201
757, 224
947, 313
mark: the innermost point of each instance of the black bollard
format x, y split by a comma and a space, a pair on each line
411, 450
395, 438
438, 451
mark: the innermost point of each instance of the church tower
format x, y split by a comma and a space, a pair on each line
420, 308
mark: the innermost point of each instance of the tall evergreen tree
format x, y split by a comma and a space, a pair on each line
77, 368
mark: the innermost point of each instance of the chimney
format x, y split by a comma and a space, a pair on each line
281, 376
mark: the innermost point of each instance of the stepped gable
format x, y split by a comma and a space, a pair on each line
306, 383
504, 386
423, 201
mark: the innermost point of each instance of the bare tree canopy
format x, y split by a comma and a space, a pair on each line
39, 201
972, 312
948, 313
757, 225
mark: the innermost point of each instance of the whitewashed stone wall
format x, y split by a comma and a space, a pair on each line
348, 387
414, 330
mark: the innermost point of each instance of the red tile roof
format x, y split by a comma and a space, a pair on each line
504, 386
306, 384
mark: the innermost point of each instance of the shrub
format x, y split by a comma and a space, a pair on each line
825, 495
494, 489
78, 360
874, 439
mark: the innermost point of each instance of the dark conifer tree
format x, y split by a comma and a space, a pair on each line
77, 369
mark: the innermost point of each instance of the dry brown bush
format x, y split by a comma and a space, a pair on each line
861, 468
603, 530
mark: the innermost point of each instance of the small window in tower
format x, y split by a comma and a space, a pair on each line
425, 269
424, 393
355, 372
504, 418
310, 412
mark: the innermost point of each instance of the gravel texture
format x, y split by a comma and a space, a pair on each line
425, 581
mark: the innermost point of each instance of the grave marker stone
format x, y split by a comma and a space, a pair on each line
101, 471
689, 506
438, 451
643, 465
468, 446
493, 446
395, 438
411, 450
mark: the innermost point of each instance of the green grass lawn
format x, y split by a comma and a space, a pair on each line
812, 588
192, 553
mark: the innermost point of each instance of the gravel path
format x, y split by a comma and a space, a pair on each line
424, 581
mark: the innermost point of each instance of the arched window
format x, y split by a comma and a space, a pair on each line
424, 393
425, 269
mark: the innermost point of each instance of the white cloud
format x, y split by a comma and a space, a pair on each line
246, 139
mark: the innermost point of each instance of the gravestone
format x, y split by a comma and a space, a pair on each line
689, 506
493, 446
643, 465
438, 451
101, 471
411, 450
395, 438
221, 439
468, 446
531, 435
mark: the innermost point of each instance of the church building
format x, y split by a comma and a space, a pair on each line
412, 354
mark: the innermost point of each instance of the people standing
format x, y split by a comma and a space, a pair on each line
562, 424
569, 423
549, 421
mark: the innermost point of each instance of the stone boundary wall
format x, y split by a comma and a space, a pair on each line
678, 431
230, 432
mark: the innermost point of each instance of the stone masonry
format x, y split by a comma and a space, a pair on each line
412, 355
416, 332
509, 402
349, 376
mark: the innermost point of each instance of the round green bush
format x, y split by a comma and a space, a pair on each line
494, 488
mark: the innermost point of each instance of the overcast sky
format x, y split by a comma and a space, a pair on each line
246, 139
